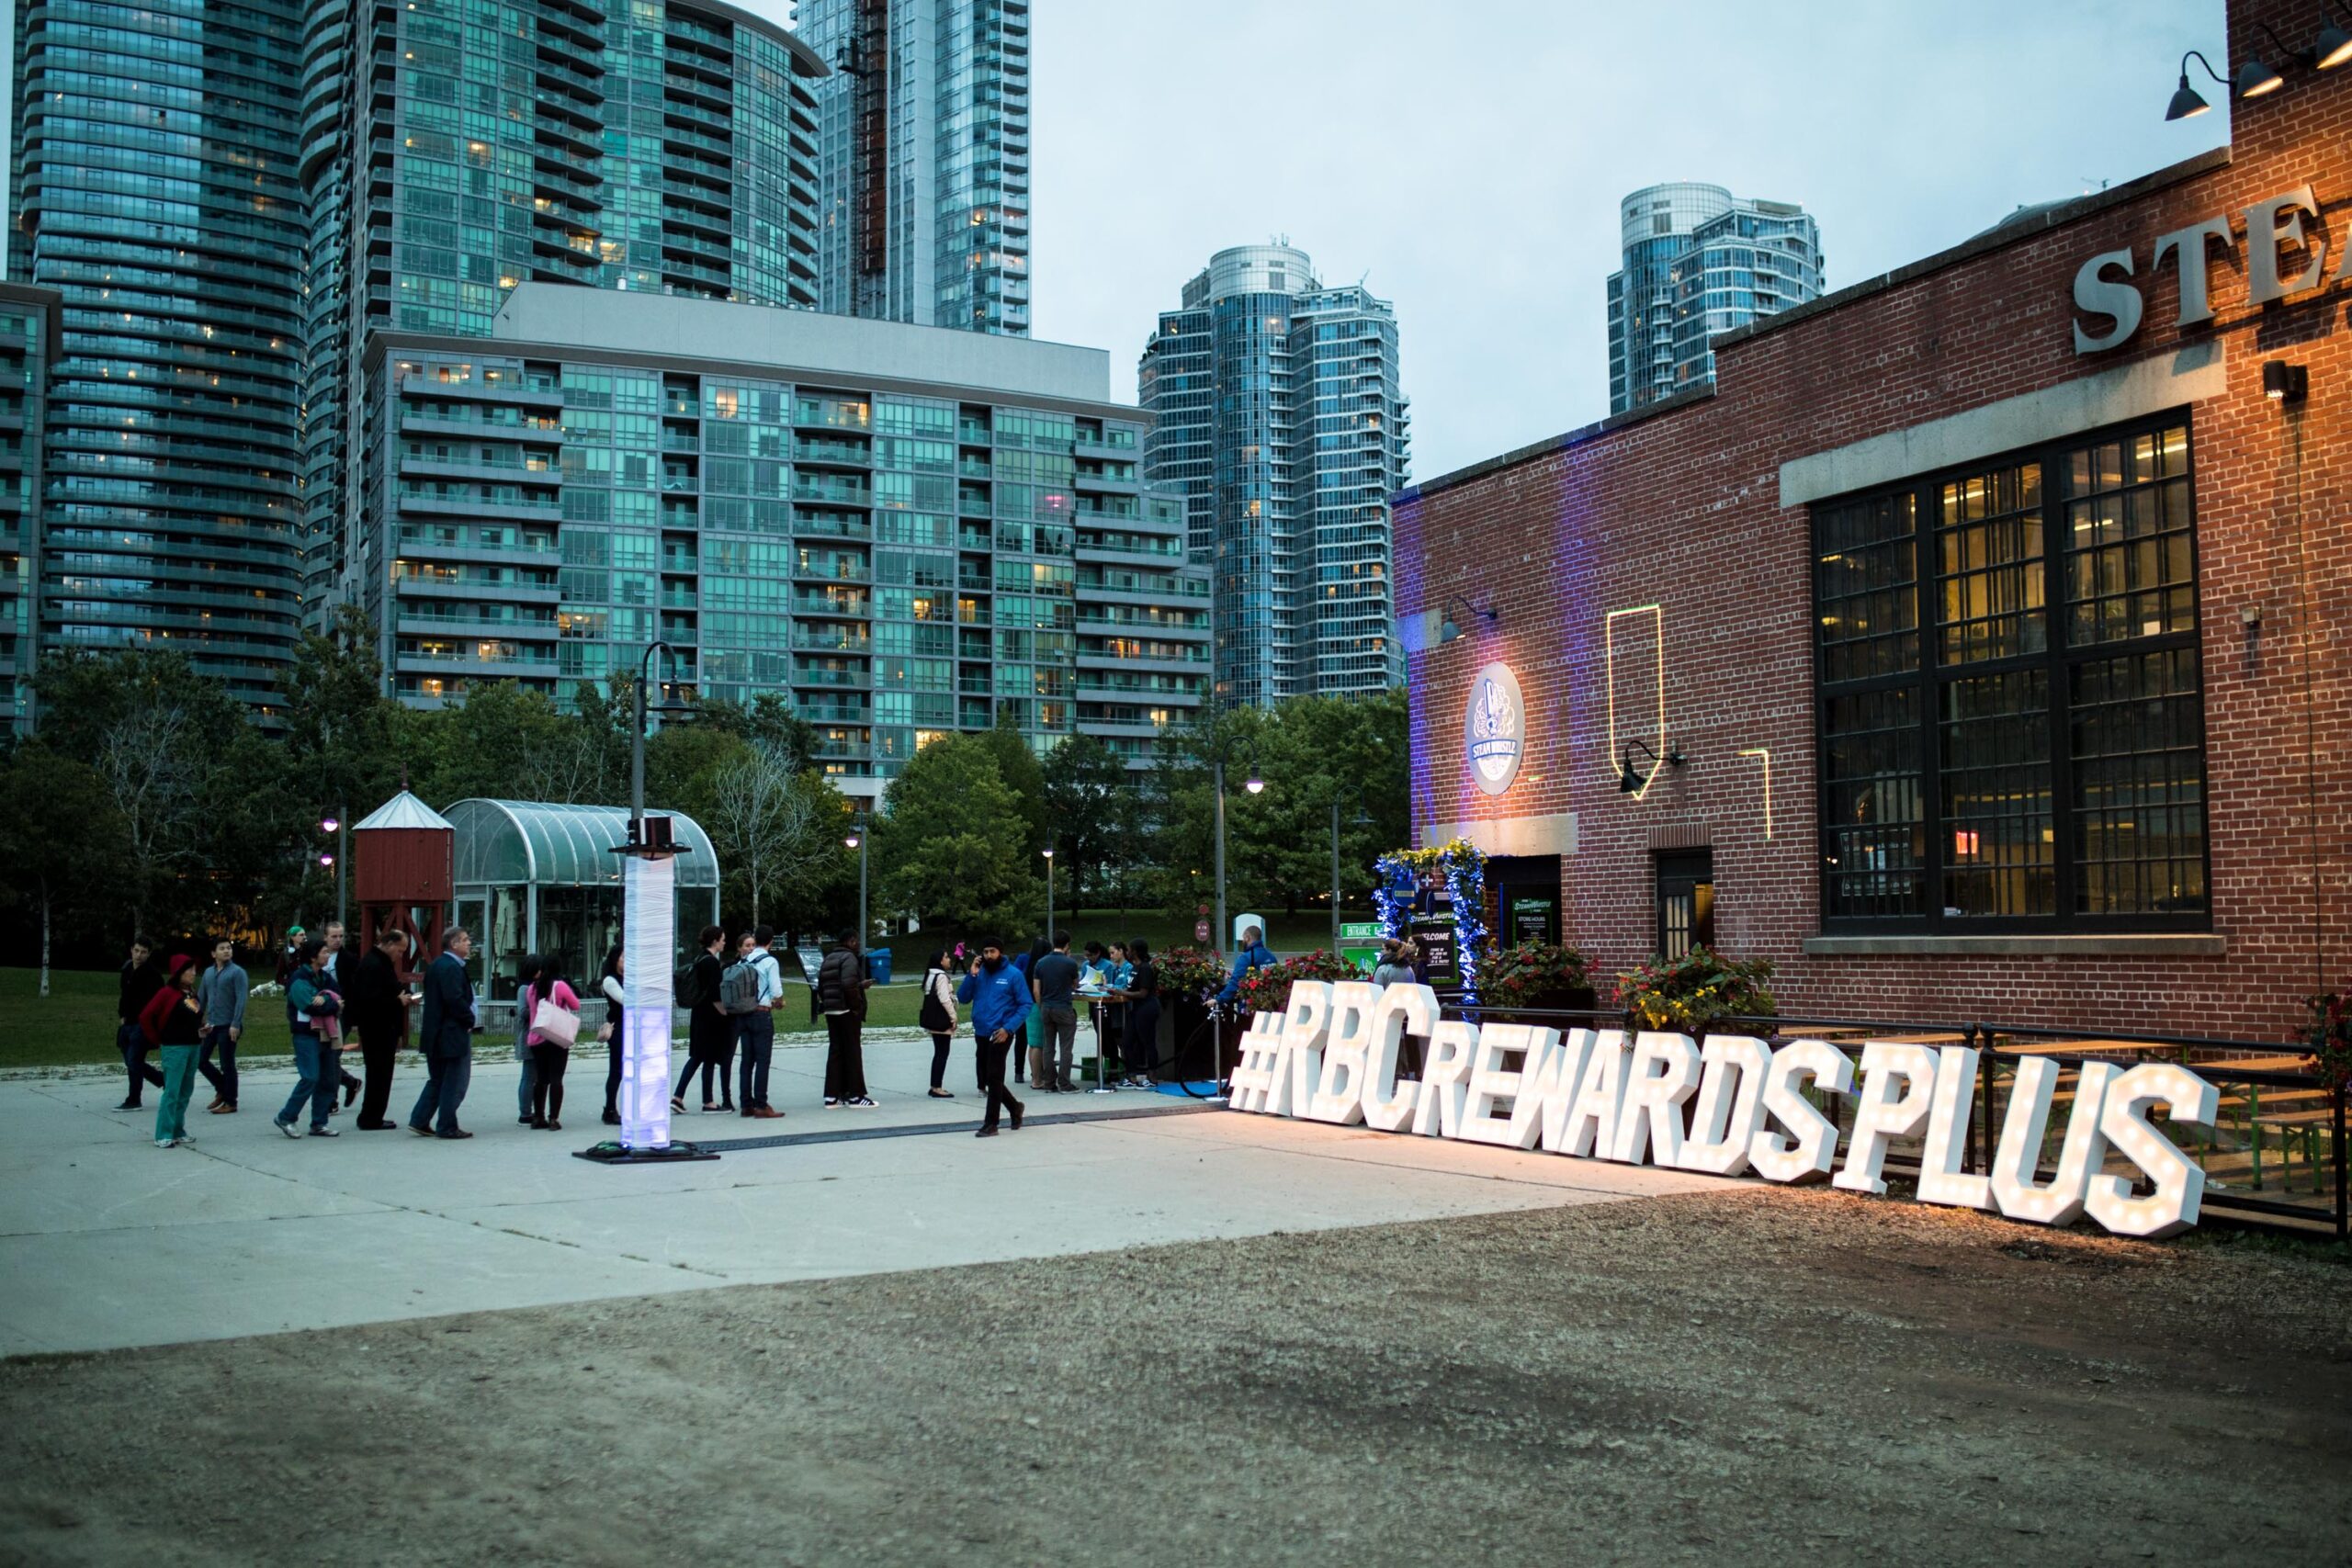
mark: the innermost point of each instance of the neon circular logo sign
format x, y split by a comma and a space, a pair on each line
1493, 729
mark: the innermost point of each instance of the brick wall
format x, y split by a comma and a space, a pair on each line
1680, 509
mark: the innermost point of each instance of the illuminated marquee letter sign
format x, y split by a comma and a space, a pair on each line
1332, 1054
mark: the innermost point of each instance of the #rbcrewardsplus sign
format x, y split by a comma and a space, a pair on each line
1597, 1094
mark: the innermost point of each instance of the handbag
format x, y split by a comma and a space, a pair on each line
936, 1019
555, 1024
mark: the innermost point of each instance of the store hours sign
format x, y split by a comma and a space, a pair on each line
1732, 1106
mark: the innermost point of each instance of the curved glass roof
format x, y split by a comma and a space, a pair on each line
507, 842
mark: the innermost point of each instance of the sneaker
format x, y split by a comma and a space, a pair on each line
165, 1142
323, 1130
460, 1133
285, 1127
860, 1100
224, 1110
420, 1132
830, 1101
183, 1138
128, 1105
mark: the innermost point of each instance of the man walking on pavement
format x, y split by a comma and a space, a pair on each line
140, 981
756, 1030
447, 1037
222, 997
1053, 980
999, 996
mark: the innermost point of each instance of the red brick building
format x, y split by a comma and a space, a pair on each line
1972, 649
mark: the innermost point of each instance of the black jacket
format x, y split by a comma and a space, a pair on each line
140, 984
448, 1008
371, 998
840, 982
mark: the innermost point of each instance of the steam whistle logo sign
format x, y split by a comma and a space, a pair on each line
1493, 729
1732, 1107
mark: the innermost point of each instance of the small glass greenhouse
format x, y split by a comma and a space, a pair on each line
533, 877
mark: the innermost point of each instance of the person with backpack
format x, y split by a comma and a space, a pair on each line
710, 1032
554, 1010
938, 1018
751, 989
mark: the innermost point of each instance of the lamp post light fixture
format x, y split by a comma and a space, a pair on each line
1449, 630
332, 822
856, 840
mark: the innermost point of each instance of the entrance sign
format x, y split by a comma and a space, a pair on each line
1331, 1056
2275, 231
1493, 729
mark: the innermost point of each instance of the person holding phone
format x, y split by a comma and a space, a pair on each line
379, 1004
998, 993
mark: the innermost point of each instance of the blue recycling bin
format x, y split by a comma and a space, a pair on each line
877, 965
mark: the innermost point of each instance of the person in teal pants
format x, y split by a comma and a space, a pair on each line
174, 1020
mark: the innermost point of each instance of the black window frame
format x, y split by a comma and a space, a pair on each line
2059, 659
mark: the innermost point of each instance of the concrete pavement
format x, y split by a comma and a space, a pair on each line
106, 1241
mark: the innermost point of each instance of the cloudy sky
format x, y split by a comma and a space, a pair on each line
1467, 157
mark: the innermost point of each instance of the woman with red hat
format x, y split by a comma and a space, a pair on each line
174, 1020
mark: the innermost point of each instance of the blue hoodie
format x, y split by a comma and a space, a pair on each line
1257, 956
998, 999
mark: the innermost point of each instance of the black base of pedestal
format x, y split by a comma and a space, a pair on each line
611, 1153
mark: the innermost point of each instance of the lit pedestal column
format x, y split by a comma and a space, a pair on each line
649, 923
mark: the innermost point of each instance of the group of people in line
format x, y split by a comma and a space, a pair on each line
1024, 1010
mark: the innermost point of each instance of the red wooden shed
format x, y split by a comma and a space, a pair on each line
403, 873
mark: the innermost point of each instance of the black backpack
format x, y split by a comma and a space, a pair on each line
686, 984
934, 1018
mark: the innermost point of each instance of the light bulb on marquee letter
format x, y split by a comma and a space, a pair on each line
1401, 1011
1883, 1112
1810, 1148
1729, 1112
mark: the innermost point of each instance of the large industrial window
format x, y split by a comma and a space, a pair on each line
2011, 713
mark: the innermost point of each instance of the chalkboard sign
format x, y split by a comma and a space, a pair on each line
1435, 939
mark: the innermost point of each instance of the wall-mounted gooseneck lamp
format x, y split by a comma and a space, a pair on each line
1629, 778
1451, 629
2255, 77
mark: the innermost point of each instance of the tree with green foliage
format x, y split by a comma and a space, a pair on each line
1017, 766
60, 842
953, 845
1090, 806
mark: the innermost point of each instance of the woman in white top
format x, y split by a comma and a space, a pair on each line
938, 1018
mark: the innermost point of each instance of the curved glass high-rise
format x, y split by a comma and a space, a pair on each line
157, 189
1278, 414
1697, 262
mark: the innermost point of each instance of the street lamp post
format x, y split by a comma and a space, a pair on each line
1050, 896
636, 747
1254, 785
1363, 818
856, 840
334, 823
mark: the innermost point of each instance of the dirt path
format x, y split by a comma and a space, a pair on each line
1763, 1376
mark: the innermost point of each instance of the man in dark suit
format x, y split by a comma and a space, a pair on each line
376, 1006
446, 1038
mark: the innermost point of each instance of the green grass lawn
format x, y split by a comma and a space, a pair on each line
75, 1021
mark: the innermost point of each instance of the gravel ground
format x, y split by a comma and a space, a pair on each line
1758, 1377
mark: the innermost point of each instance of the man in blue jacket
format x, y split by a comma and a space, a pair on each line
446, 1038
1254, 954
999, 995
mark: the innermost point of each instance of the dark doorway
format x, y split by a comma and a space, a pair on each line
1686, 900
1527, 897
